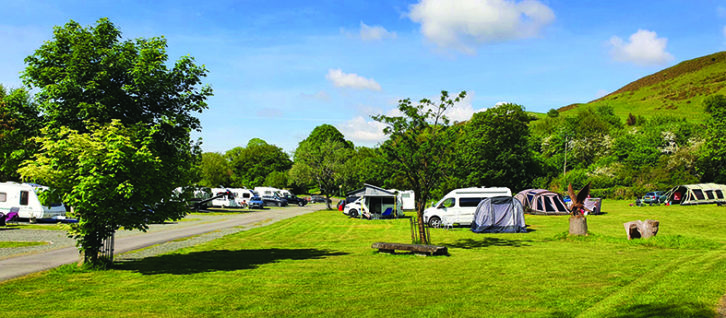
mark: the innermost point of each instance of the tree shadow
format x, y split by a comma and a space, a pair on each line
486, 242
664, 310
218, 260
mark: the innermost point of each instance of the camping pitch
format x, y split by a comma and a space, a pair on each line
543, 202
502, 214
692, 194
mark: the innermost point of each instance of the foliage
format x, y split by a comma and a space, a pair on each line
20, 121
111, 178
494, 149
117, 139
713, 162
215, 170
420, 147
276, 179
322, 165
251, 165
553, 113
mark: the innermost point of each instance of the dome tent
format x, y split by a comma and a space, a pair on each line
541, 201
502, 214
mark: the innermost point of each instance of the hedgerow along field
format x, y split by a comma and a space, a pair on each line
322, 264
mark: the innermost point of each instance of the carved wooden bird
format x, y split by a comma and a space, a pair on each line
578, 201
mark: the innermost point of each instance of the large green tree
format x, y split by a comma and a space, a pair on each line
420, 147
494, 149
252, 165
214, 170
133, 111
320, 160
20, 121
712, 164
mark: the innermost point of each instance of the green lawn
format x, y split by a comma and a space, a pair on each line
10, 244
322, 264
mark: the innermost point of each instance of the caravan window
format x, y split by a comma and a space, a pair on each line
464, 202
3, 197
246, 195
23, 197
698, 193
406, 195
719, 194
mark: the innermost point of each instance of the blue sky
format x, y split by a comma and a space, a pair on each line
281, 68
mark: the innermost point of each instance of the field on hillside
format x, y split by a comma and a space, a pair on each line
322, 264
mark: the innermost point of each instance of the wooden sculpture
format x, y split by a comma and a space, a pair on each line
578, 222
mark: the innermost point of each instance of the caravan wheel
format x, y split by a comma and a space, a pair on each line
435, 222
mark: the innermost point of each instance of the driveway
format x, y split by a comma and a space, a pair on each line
18, 262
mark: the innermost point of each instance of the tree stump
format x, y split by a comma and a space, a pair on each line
578, 225
641, 229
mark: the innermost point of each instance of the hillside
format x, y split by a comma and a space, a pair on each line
678, 90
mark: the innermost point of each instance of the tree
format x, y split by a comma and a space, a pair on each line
494, 149
215, 170
251, 165
19, 123
419, 148
321, 160
117, 141
553, 113
712, 164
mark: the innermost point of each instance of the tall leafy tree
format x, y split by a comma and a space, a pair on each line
214, 170
321, 160
713, 160
420, 147
494, 149
251, 165
121, 99
20, 121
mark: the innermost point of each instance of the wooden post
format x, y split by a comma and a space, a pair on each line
578, 225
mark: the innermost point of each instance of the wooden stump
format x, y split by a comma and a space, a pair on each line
641, 229
578, 225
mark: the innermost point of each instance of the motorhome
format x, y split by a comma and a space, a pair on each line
459, 206
242, 196
271, 196
224, 201
24, 196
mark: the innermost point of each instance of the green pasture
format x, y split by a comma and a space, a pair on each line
11, 244
321, 264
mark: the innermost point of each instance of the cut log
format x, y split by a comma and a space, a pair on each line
415, 248
578, 225
641, 229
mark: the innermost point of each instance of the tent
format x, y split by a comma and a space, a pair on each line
541, 201
692, 194
502, 214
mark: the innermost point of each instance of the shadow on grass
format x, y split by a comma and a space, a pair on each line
218, 260
486, 242
664, 310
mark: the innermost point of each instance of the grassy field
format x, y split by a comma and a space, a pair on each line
10, 244
322, 264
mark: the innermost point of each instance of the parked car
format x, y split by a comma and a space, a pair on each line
318, 199
291, 199
256, 202
654, 197
274, 200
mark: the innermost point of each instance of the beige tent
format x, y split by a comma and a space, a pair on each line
692, 194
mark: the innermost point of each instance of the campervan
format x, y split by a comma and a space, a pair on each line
24, 196
459, 206
224, 198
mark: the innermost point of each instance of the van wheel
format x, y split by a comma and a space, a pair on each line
435, 221
353, 213
300, 203
279, 204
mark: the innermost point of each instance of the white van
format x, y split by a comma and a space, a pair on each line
227, 201
24, 196
458, 206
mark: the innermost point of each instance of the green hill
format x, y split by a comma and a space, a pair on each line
678, 90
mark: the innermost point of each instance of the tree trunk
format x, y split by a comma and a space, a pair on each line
578, 225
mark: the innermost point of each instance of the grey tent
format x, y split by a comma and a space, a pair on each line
541, 201
502, 214
692, 194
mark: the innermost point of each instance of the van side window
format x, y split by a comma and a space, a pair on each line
470, 202
447, 204
3, 197
23, 197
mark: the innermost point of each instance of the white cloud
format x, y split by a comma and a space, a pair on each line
463, 24
375, 33
351, 80
644, 48
359, 129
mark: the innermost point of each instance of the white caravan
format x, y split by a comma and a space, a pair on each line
227, 201
24, 196
407, 198
242, 196
458, 206
268, 192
